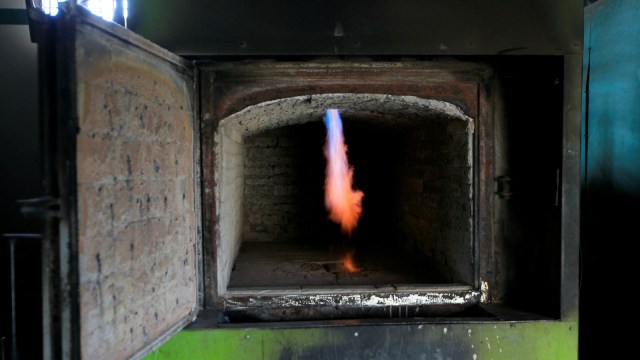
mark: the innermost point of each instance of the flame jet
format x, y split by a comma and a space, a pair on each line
341, 200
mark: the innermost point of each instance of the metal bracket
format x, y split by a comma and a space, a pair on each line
45, 206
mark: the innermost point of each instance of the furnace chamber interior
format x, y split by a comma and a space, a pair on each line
412, 158
459, 162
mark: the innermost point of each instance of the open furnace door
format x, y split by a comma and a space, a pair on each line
123, 260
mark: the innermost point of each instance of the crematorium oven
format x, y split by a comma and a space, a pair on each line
360, 184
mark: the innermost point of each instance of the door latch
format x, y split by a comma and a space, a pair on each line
503, 185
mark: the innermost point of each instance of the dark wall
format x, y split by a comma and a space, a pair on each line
360, 27
19, 138
20, 179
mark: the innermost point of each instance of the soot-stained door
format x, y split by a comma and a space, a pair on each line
122, 252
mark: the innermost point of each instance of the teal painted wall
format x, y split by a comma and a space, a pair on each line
612, 53
610, 173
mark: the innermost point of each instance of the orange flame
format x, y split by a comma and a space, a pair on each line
348, 263
343, 203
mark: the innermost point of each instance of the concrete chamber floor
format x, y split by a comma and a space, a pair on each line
292, 265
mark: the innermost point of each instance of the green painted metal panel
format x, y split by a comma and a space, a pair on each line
502, 340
